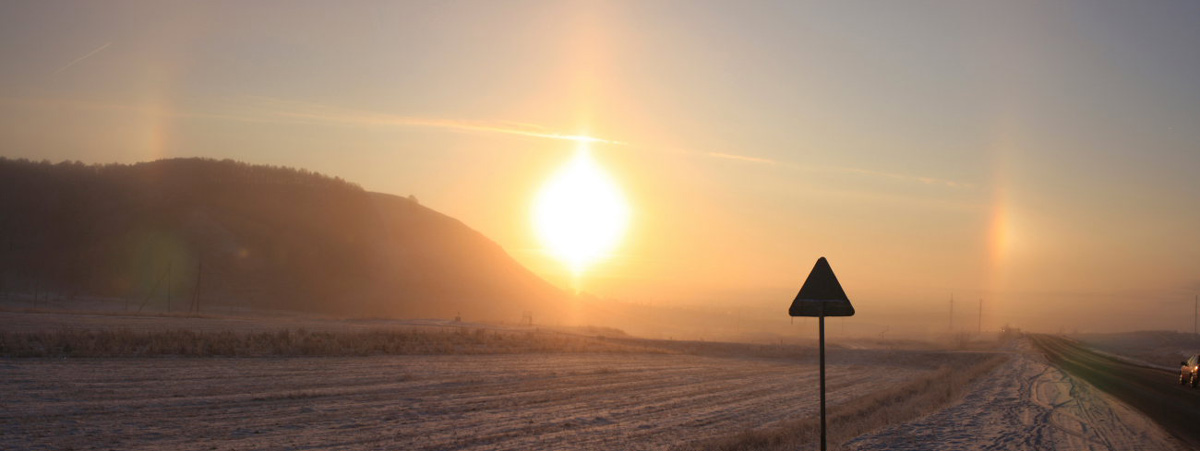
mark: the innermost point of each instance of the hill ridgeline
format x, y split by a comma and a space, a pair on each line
253, 236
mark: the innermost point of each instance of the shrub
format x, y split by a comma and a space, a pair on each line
285, 342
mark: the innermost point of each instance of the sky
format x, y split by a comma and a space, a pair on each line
1041, 159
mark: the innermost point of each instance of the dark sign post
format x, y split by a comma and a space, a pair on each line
821, 296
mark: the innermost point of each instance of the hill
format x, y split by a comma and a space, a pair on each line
260, 236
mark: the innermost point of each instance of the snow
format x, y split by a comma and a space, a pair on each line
1026, 405
488, 402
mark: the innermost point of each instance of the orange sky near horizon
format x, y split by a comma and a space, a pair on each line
1042, 159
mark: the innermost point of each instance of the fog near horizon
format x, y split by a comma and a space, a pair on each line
1040, 158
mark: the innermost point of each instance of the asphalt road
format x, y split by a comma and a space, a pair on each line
1153, 391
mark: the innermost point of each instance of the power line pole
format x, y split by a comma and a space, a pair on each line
951, 312
168, 288
196, 292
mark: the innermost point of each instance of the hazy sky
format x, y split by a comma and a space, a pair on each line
1041, 156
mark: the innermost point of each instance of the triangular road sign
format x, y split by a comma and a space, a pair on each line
821, 294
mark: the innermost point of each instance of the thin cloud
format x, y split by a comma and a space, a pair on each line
268, 110
843, 170
314, 113
146, 109
729, 156
905, 178
88, 55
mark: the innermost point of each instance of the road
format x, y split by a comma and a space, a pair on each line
1155, 392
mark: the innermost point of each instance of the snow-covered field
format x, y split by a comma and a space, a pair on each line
673, 394
1026, 405
531, 401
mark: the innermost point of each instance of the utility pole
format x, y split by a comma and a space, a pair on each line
980, 331
951, 312
196, 292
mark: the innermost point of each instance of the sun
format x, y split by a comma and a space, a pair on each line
580, 214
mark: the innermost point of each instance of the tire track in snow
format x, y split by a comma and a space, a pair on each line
1153, 391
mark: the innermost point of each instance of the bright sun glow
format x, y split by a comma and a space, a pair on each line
580, 214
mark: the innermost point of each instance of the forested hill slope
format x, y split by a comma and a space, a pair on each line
258, 236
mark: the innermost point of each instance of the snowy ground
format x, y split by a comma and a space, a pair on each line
526, 401
529, 401
1026, 405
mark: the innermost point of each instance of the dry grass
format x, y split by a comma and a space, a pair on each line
300, 342
864, 414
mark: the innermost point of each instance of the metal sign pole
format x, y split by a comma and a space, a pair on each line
821, 333
821, 296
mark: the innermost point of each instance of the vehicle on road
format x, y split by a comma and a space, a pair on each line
1188, 373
